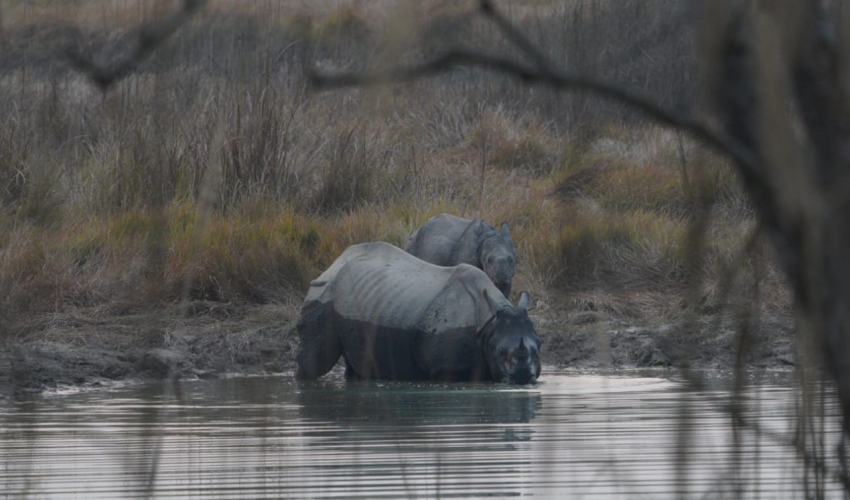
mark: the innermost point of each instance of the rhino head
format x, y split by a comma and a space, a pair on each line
511, 345
497, 255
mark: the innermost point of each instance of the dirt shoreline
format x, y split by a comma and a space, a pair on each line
211, 340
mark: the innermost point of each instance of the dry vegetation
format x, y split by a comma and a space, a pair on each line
215, 173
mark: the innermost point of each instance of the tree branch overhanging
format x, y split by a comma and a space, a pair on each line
150, 37
556, 79
516, 36
750, 97
545, 73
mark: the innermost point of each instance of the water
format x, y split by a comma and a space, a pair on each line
571, 435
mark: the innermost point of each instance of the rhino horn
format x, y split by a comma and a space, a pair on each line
523, 301
505, 229
522, 351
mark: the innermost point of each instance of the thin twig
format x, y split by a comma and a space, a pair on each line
516, 37
816, 462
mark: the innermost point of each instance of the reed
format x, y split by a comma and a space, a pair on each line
101, 191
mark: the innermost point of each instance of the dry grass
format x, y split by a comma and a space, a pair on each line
101, 195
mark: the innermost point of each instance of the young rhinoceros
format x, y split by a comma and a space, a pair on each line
393, 316
446, 240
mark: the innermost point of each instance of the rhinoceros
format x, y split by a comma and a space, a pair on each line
393, 316
447, 240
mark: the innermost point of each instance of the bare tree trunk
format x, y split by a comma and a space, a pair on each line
778, 87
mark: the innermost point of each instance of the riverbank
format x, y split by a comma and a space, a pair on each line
172, 224
91, 348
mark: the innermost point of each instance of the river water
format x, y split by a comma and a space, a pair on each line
571, 435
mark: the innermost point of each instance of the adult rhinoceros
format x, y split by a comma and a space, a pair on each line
447, 240
393, 316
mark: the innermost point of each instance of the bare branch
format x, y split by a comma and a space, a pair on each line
816, 461
547, 74
516, 37
150, 38
553, 78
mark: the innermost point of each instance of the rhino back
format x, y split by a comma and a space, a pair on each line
447, 240
322, 288
387, 286
398, 317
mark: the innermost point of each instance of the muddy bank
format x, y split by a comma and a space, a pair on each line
204, 340
215, 339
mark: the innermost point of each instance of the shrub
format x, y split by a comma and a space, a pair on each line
533, 153
639, 250
626, 175
348, 179
244, 259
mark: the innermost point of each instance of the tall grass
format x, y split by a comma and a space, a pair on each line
101, 194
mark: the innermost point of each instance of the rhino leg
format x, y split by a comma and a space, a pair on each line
350, 372
505, 288
319, 347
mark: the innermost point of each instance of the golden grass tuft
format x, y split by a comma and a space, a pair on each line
522, 145
636, 250
534, 153
363, 226
624, 175
109, 258
257, 261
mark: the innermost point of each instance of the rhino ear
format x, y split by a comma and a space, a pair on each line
505, 229
491, 301
523, 300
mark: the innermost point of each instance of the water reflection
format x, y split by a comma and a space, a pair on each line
403, 404
433, 439
569, 435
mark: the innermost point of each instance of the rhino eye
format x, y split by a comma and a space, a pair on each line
510, 260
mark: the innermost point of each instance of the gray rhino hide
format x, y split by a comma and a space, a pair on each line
446, 240
394, 316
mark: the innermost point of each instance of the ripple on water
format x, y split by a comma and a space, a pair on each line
575, 435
